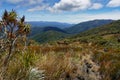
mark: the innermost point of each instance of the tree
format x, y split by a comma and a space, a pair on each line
12, 27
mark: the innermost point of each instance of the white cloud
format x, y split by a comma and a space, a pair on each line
70, 5
62, 5
37, 8
14, 1
114, 3
96, 6
74, 5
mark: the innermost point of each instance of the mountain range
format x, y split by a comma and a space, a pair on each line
51, 33
46, 23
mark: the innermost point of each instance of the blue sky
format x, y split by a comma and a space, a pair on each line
70, 11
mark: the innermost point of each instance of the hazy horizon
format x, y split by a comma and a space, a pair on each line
71, 23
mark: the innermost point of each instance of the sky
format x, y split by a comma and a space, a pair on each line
68, 11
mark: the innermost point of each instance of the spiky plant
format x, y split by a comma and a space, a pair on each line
12, 27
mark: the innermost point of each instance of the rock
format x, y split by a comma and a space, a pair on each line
36, 74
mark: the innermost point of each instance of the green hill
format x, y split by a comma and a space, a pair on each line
49, 36
39, 30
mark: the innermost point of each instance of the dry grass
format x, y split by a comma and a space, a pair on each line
61, 61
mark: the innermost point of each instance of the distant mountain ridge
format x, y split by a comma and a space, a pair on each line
84, 26
46, 23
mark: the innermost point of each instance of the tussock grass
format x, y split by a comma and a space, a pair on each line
59, 61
